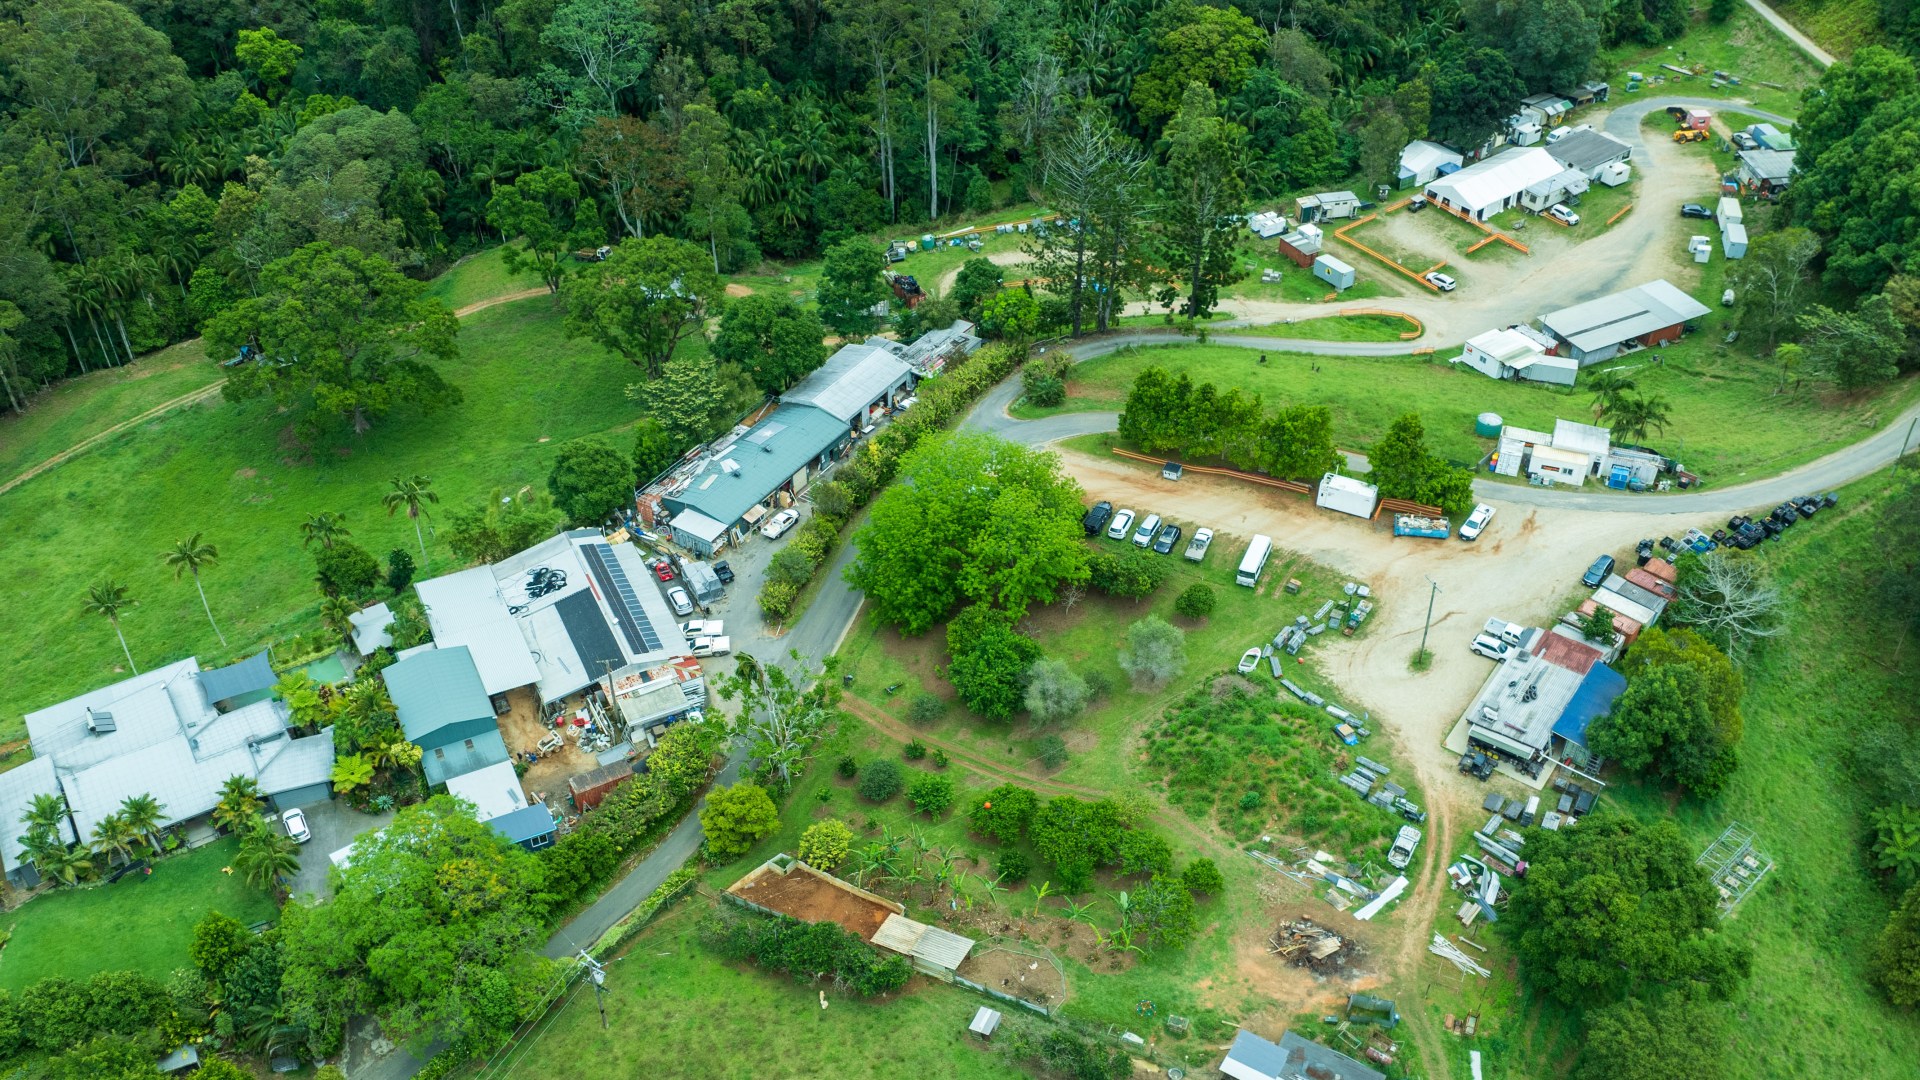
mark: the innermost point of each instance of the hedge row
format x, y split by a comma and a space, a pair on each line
941, 401
673, 888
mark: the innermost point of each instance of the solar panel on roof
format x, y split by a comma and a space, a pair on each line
615, 586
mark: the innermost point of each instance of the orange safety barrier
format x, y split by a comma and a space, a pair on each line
1407, 335
1294, 486
1492, 233
1620, 213
1341, 233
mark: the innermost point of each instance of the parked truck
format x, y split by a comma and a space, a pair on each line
1404, 845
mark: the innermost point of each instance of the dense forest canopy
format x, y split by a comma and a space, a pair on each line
161, 154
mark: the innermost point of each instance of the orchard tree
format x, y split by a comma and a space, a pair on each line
337, 336
735, 818
1155, 653
825, 844
1617, 905
989, 661
544, 213
975, 517
775, 340
1003, 813
1195, 601
644, 299
851, 285
1054, 691
591, 481
977, 282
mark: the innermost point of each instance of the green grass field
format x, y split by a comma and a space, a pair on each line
1330, 328
1744, 46
77, 409
140, 923
1840, 26
1727, 422
228, 470
481, 276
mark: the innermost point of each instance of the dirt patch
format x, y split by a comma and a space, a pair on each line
245, 474
734, 288
1233, 684
1030, 978
522, 729
811, 898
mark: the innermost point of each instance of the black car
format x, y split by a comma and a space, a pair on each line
724, 572
1169, 536
1829, 501
1695, 210
1772, 526
1476, 764
1598, 572
1097, 518
1737, 522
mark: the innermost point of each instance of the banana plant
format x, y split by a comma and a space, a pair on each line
1040, 893
1080, 911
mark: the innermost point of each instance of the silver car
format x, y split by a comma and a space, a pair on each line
682, 603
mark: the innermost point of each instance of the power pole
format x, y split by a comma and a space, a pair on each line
1423, 630
598, 973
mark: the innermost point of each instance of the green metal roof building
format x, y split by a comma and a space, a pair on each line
735, 488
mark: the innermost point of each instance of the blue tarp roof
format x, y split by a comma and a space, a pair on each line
524, 824
1592, 700
253, 673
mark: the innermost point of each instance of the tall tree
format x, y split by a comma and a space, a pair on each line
850, 286
871, 31
644, 299
608, 45
713, 183
775, 340
1854, 349
636, 162
1662, 725
190, 556
144, 814
536, 214
1201, 187
1772, 282
341, 336
782, 712
412, 493
1551, 42
109, 598
688, 399
324, 528
1213, 47
591, 481
933, 31
92, 80
1474, 90
1096, 179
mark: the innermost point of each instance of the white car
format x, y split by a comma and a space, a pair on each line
778, 524
295, 822
682, 603
700, 628
712, 646
1121, 524
1143, 535
1490, 647
1197, 547
1562, 212
1441, 281
1476, 522
1403, 847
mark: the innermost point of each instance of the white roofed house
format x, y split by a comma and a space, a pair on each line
1516, 353
1498, 183
163, 734
1422, 160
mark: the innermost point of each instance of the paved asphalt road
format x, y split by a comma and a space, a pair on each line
1792, 33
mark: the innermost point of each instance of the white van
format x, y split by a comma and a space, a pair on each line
1143, 535
1254, 561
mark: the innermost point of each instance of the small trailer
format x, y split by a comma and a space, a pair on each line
1347, 495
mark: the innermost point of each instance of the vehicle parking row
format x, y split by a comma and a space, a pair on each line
1149, 532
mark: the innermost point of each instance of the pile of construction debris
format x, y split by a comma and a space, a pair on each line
1304, 943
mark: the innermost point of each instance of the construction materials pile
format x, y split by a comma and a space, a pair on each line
1304, 943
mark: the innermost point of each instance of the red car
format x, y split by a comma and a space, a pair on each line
663, 570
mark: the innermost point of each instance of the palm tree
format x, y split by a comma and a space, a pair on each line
47, 813
43, 849
190, 556
412, 492
265, 855
336, 615
324, 527
108, 597
144, 814
1608, 387
239, 803
1635, 416
113, 836
68, 864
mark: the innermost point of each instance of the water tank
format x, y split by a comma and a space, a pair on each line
1488, 425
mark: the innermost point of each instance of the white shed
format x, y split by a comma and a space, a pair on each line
1421, 161
1615, 174
1729, 211
1733, 240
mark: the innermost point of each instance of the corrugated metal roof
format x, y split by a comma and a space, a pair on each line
899, 934
1581, 438
494, 790
466, 609
1253, 1058
1304, 1057
295, 763
1623, 316
847, 383
253, 673
757, 470
433, 689
18, 786
943, 948
1768, 164
524, 825
1588, 150
371, 628
698, 525
457, 759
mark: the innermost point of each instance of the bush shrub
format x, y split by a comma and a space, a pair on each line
1202, 876
824, 845
914, 750
777, 598
1046, 392
790, 566
940, 760
1195, 601
931, 794
880, 780
926, 708
847, 767
1013, 864
805, 950
1003, 813
1053, 751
